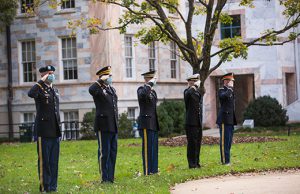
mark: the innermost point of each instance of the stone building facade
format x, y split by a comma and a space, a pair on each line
270, 71
44, 39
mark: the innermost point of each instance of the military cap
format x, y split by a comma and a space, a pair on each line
228, 76
104, 71
194, 77
47, 68
149, 74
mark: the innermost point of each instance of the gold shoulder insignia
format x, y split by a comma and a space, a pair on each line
98, 83
42, 88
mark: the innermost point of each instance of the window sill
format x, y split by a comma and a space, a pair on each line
129, 79
66, 11
24, 15
68, 81
27, 84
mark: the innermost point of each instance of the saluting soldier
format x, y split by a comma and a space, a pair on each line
226, 117
193, 120
106, 123
47, 128
148, 123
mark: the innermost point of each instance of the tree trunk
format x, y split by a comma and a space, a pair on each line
9, 85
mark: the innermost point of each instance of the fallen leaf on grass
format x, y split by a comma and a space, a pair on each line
170, 168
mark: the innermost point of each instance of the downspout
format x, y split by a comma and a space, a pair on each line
297, 66
9, 86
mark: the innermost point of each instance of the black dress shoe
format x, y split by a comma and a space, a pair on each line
106, 182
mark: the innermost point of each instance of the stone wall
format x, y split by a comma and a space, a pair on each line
268, 65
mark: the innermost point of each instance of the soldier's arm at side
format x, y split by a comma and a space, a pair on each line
225, 93
144, 92
34, 91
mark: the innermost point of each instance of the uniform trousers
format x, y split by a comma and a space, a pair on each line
107, 155
226, 134
48, 156
149, 151
194, 138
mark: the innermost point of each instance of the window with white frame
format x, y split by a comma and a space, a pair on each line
152, 56
131, 113
69, 58
173, 59
71, 128
233, 29
128, 56
28, 117
26, 5
67, 4
28, 61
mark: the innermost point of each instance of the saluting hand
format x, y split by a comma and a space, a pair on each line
230, 84
104, 77
153, 81
197, 83
45, 77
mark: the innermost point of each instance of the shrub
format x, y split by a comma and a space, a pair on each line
171, 115
125, 126
266, 111
87, 125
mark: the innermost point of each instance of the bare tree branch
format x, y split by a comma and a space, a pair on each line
187, 52
210, 28
203, 3
274, 32
188, 28
116, 27
230, 51
221, 51
176, 9
275, 43
207, 41
223, 58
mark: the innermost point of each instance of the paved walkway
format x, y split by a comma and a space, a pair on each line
214, 132
272, 183
211, 132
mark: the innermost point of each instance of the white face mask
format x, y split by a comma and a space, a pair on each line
230, 84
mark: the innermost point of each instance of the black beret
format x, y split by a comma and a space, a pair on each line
47, 68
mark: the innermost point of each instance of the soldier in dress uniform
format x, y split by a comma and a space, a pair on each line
47, 128
193, 120
106, 123
148, 123
226, 117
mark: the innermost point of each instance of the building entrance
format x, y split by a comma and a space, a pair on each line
244, 93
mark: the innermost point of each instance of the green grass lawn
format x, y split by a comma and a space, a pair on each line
78, 169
